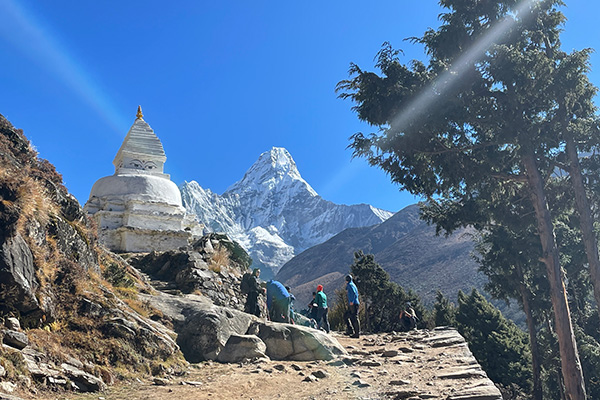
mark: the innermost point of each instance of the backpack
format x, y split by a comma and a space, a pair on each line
245, 285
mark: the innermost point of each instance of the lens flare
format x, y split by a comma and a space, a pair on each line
28, 36
453, 75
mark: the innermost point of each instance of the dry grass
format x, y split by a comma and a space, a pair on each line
219, 259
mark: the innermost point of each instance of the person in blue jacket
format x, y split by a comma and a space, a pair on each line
278, 302
351, 315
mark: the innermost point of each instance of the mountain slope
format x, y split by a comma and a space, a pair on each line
405, 246
274, 213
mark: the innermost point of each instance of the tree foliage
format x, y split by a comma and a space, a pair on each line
382, 299
497, 343
495, 112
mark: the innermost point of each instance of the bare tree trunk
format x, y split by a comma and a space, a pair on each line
569, 358
533, 343
585, 218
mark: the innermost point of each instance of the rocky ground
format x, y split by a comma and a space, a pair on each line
417, 365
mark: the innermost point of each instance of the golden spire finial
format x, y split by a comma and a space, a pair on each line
139, 114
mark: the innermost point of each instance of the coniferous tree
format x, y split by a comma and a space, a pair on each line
382, 299
485, 114
497, 343
444, 312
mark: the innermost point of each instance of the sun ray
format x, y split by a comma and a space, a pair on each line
28, 35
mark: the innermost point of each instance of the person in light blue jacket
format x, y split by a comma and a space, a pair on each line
351, 315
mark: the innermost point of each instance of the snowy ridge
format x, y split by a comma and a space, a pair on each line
274, 213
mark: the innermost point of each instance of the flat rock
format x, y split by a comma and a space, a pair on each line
390, 353
4, 396
399, 382
461, 373
16, 339
480, 392
371, 363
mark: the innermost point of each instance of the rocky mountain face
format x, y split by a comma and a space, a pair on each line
67, 311
405, 246
274, 213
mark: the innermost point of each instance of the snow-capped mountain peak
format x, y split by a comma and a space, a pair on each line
275, 170
274, 213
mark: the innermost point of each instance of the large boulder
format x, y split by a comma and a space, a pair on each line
206, 332
297, 343
241, 348
204, 329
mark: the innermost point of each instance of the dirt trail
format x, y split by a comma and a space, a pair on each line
418, 365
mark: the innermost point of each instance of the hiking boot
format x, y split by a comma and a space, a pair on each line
355, 336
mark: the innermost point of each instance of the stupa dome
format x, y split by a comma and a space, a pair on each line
147, 188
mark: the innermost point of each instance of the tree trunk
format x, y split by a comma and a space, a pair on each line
533, 343
585, 218
569, 358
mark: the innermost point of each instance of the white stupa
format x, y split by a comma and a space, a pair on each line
139, 209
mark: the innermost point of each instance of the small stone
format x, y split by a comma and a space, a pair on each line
296, 367
160, 382
279, 367
13, 324
320, 374
2, 371
389, 353
7, 387
399, 382
361, 383
310, 378
268, 370
355, 374
371, 363
193, 383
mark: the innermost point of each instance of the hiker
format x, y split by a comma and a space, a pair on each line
251, 286
351, 315
322, 310
292, 300
278, 302
408, 318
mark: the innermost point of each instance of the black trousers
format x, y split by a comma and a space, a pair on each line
351, 318
252, 306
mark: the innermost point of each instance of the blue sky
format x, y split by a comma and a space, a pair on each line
219, 82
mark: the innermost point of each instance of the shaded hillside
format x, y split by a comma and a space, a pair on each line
69, 313
405, 246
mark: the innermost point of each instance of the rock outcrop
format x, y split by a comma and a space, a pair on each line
67, 305
204, 330
213, 268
